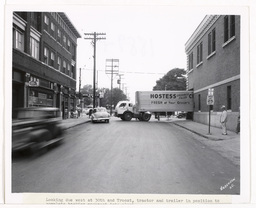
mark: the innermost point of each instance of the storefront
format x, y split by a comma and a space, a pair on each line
32, 91
40, 92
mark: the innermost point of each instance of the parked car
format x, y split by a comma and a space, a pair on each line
100, 114
35, 128
182, 115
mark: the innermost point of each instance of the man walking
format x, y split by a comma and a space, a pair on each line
223, 120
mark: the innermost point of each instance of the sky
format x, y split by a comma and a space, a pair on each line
148, 41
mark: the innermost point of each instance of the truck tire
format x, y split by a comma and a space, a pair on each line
128, 116
146, 116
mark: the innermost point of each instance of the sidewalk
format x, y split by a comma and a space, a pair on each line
227, 145
71, 122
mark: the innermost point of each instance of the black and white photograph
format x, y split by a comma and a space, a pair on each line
126, 103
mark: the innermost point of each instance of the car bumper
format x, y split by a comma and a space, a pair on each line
100, 119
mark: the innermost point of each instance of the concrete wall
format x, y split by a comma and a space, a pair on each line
203, 117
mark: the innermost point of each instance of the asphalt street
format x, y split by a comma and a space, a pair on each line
127, 157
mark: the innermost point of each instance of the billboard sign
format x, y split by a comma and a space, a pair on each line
165, 101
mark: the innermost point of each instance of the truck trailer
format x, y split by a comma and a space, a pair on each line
148, 102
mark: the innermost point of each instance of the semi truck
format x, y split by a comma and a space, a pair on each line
149, 102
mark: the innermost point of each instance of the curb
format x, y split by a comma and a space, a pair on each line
195, 132
77, 124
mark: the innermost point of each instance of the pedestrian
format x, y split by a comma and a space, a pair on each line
90, 113
223, 120
238, 123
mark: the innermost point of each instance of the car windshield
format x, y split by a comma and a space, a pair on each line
122, 105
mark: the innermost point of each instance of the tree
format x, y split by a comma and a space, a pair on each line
87, 89
173, 80
117, 95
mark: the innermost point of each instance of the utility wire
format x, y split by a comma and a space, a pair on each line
131, 72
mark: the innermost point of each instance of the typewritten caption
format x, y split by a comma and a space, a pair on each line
111, 201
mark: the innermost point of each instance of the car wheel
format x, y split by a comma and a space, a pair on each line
127, 116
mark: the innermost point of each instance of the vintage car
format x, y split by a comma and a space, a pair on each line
100, 114
34, 128
182, 115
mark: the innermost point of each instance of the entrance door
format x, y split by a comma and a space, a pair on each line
17, 95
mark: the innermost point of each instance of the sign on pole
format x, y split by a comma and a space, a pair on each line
210, 97
210, 100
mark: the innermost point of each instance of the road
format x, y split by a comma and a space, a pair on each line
127, 157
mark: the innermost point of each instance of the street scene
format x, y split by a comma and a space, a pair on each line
113, 108
156, 157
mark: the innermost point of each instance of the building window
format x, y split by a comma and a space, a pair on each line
199, 102
211, 42
59, 36
35, 20
64, 66
64, 40
200, 53
46, 20
52, 29
46, 23
59, 64
68, 45
229, 101
229, 27
18, 39
68, 72
190, 61
34, 48
72, 71
46, 55
52, 59
232, 26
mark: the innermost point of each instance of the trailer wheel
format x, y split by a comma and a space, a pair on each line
146, 116
127, 116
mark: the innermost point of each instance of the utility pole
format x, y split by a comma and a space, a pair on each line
79, 93
79, 83
94, 37
112, 69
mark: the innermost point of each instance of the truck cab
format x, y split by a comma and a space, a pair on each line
122, 108
126, 111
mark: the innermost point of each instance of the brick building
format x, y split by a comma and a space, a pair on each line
213, 61
44, 60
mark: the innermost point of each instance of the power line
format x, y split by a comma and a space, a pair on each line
133, 72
